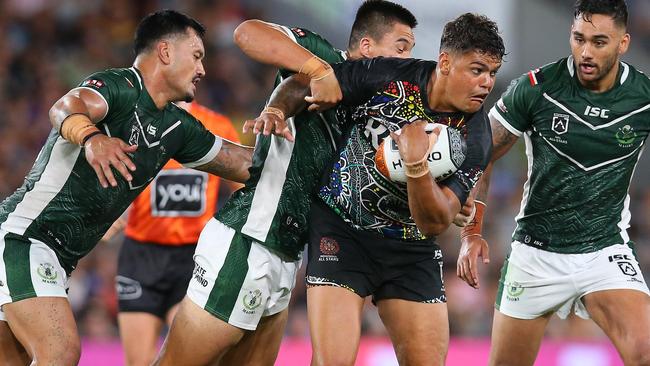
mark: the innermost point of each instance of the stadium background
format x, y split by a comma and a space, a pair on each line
47, 46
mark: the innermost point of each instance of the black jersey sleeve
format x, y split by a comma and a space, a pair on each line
479, 152
361, 79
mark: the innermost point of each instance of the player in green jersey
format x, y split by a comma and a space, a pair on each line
247, 258
116, 121
584, 120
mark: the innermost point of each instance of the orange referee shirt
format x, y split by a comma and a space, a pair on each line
173, 209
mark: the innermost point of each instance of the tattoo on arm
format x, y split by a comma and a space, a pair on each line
232, 162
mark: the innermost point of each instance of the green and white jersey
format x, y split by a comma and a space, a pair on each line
582, 150
273, 207
61, 202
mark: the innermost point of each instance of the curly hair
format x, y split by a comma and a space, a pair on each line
472, 32
617, 9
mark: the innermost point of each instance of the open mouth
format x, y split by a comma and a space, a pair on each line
587, 68
479, 98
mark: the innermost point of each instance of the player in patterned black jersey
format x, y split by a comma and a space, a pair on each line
248, 255
584, 120
115, 121
373, 237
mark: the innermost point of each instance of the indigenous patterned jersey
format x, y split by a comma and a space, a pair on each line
173, 209
582, 149
390, 93
61, 202
273, 207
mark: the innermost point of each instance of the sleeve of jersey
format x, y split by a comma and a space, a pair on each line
314, 43
116, 90
361, 79
512, 109
479, 152
200, 145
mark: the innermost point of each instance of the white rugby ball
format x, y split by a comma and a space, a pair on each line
445, 158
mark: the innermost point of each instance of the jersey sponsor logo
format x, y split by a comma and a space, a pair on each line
625, 136
329, 249
299, 32
560, 123
179, 192
199, 275
596, 112
252, 300
151, 129
93, 83
127, 288
47, 272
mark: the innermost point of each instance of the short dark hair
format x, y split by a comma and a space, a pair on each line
617, 9
472, 32
376, 17
161, 24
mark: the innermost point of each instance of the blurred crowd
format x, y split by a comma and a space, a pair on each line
48, 46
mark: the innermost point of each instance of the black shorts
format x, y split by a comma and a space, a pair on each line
152, 278
370, 264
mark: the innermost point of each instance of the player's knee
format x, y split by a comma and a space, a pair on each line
639, 354
65, 353
333, 359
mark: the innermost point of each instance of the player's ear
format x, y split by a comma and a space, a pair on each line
163, 49
624, 44
365, 47
444, 62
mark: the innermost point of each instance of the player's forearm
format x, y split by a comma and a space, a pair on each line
232, 162
266, 43
289, 95
432, 208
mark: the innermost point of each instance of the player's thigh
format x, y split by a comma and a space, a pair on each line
419, 331
46, 327
515, 342
12, 353
624, 315
333, 311
196, 337
139, 333
259, 347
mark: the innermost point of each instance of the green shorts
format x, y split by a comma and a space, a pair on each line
237, 279
28, 268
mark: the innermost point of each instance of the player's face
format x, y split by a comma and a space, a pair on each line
470, 78
186, 65
596, 47
398, 42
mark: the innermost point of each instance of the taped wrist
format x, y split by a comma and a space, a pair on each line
476, 225
315, 68
77, 128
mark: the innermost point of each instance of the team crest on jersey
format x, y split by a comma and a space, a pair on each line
625, 136
252, 301
560, 124
47, 272
93, 83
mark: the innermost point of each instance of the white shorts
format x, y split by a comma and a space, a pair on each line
28, 268
237, 279
536, 282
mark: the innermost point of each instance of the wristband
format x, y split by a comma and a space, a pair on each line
88, 136
76, 127
275, 111
420, 168
475, 226
315, 68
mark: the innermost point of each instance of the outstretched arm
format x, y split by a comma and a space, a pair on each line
472, 243
232, 162
74, 116
268, 43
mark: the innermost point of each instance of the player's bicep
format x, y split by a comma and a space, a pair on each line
95, 103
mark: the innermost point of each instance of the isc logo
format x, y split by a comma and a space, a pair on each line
596, 112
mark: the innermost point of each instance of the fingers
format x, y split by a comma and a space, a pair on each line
248, 125
486, 253
106, 169
286, 133
125, 160
100, 175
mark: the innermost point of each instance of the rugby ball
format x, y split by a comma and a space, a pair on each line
445, 158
